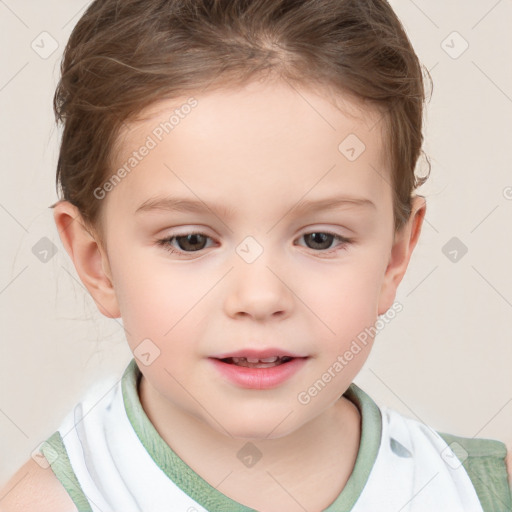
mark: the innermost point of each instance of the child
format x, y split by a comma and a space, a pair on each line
258, 131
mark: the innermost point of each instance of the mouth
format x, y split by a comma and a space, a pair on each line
255, 362
263, 369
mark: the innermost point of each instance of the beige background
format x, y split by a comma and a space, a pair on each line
446, 359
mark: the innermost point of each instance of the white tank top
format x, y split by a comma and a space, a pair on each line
110, 458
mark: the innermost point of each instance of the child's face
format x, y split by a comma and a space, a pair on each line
256, 282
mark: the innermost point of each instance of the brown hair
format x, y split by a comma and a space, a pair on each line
125, 55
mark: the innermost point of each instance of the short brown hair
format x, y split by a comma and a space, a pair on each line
123, 56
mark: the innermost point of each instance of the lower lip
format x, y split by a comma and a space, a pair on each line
259, 378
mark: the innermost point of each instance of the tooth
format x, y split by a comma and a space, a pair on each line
252, 360
272, 359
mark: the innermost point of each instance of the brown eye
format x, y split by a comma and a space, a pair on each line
191, 242
184, 244
320, 241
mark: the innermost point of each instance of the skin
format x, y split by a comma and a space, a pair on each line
259, 150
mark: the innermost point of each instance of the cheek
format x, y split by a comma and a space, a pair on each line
348, 310
345, 298
157, 302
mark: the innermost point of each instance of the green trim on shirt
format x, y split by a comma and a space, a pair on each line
484, 462
213, 500
55, 452
371, 432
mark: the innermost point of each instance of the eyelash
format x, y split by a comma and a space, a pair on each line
165, 242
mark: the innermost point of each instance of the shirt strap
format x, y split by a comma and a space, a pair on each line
484, 462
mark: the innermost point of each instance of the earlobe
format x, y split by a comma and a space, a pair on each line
403, 246
89, 258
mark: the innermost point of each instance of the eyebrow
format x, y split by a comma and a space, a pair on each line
183, 204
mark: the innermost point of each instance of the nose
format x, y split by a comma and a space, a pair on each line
259, 290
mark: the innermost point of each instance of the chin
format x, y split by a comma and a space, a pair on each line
255, 434
259, 427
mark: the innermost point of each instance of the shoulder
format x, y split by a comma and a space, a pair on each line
508, 462
34, 488
488, 465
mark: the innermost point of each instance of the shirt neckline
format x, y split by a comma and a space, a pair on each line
212, 499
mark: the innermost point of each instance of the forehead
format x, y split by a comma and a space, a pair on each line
262, 141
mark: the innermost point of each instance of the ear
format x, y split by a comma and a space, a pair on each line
88, 256
404, 243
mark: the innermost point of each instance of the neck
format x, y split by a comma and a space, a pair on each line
312, 464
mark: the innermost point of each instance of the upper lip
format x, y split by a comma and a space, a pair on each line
257, 353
